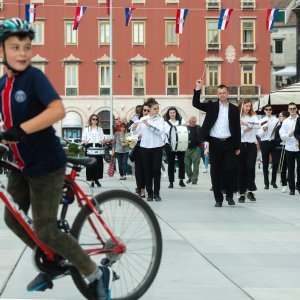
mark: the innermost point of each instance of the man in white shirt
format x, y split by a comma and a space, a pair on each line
286, 132
267, 134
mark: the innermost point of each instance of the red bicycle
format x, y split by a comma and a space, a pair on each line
116, 228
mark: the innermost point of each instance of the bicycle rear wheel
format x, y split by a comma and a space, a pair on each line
133, 223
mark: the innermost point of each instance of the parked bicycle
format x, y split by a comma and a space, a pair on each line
115, 228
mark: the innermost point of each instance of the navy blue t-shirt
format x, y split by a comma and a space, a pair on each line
22, 98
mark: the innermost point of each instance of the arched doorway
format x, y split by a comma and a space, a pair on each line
72, 126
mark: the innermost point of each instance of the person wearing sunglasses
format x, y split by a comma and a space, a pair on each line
287, 132
267, 134
92, 138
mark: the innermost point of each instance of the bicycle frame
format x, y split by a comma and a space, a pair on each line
82, 199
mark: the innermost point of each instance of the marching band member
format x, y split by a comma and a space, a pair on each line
286, 132
151, 128
247, 157
173, 118
92, 136
266, 134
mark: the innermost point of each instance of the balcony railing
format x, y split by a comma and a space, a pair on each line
213, 5
248, 4
248, 46
235, 91
213, 46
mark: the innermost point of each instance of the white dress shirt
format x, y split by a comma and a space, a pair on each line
153, 136
270, 124
288, 125
221, 127
249, 136
92, 135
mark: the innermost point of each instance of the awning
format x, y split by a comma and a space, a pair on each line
287, 71
72, 120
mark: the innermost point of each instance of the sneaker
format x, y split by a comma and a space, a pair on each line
194, 182
40, 283
92, 184
157, 198
170, 185
284, 189
181, 183
241, 198
251, 196
101, 288
150, 198
98, 183
188, 181
205, 171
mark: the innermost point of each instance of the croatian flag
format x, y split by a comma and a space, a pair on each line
180, 19
271, 16
30, 12
79, 13
128, 14
108, 6
224, 18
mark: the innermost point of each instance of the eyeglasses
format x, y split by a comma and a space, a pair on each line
268, 109
292, 108
146, 110
94, 119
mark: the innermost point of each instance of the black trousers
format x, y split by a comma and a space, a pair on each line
291, 158
246, 167
139, 170
267, 149
152, 160
171, 162
282, 165
95, 172
222, 167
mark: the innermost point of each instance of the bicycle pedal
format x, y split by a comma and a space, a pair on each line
48, 285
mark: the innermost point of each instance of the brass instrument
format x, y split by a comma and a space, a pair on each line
128, 140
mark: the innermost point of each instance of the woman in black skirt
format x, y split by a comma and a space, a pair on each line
92, 138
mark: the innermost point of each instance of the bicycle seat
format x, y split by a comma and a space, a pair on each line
82, 161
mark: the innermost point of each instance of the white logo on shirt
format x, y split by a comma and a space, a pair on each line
20, 96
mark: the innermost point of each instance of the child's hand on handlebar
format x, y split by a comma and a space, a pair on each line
14, 134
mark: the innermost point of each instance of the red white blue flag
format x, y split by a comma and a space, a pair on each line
79, 13
224, 18
30, 12
108, 6
128, 14
271, 16
180, 19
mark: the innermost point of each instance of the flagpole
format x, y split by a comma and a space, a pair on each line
111, 67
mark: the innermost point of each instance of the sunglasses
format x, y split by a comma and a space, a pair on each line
292, 108
146, 110
94, 119
268, 109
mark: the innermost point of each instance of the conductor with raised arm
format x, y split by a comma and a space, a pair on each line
221, 128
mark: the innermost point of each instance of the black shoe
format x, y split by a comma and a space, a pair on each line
92, 184
211, 189
194, 182
218, 204
230, 201
242, 199
150, 198
98, 183
266, 187
137, 191
142, 196
157, 198
292, 193
170, 185
188, 181
251, 196
181, 183
100, 288
274, 185
41, 282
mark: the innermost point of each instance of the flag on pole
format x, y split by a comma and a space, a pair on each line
180, 19
108, 6
271, 16
30, 12
128, 14
78, 15
224, 18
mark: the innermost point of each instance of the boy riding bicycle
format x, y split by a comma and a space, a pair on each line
29, 106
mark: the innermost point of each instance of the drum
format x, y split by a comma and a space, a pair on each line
95, 151
179, 138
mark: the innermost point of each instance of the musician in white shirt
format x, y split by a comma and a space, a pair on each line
173, 118
287, 135
267, 135
152, 132
248, 154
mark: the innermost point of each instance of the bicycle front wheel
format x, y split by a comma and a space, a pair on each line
134, 224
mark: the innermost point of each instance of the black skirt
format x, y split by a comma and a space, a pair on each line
95, 172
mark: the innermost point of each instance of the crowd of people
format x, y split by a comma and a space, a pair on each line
229, 139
